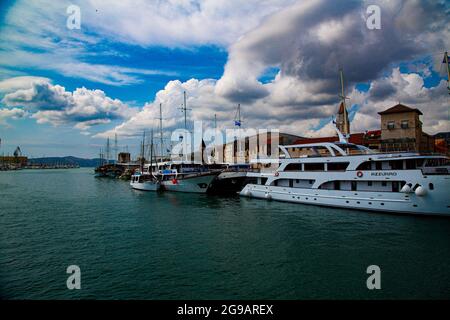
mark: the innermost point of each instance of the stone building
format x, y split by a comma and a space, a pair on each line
401, 130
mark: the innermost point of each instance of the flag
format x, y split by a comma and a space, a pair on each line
237, 123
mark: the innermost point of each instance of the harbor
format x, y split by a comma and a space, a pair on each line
148, 245
225, 159
399, 169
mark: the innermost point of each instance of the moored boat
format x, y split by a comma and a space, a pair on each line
350, 176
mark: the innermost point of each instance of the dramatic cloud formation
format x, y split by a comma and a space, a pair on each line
34, 34
408, 89
52, 104
308, 42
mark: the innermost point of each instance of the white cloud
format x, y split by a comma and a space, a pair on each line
35, 35
408, 89
14, 114
52, 104
17, 83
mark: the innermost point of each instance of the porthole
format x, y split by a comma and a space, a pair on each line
370, 202
431, 186
382, 204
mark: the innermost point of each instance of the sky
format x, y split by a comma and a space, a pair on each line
65, 90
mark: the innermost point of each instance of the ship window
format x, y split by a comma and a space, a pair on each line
314, 167
337, 185
297, 181
291, 183
378, 165
263, 180
396, 164
431, 186
354, 184
391, 125
311, 181
395, 186
364, 166
293, 167
384, 183
369, 183
338, 166
410, 164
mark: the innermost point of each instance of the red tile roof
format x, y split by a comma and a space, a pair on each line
399, 108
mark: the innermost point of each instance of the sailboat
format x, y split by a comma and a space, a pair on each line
145, 181
185, 176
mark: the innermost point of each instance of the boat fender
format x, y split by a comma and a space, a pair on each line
421, 191
406, 188
174, 181
277, 174
247, 193
268, 196
359, 174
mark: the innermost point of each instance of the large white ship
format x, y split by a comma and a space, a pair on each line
351, 176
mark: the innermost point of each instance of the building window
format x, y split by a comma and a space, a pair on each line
404, 124
391, 125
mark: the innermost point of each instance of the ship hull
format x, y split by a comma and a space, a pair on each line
193, 184
146, 186
437, 204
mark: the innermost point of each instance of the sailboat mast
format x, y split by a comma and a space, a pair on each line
185, 111
108, 151
115, 147
151, 152
142, 152
161, 130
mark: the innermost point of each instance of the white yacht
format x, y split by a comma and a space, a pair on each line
351, 176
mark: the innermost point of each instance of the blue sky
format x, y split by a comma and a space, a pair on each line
64, 91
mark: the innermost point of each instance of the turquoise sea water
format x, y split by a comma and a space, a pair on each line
135, 245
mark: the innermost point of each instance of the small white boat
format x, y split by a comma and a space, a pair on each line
144, 182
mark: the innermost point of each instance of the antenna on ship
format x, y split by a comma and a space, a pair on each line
342, 138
